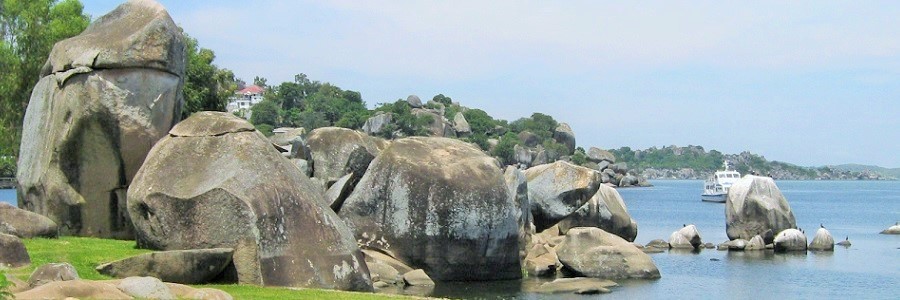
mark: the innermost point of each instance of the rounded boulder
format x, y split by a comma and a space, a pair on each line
441, 205
755, 206
214, 182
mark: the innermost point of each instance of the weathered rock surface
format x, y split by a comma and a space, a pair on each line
523, 155
756, 243
178, 266
340, 190
201, 187
658, 243
129, 288
605, 210
563, 134
145, 288
541, 261
81, 289
559, 189
598, 155
593, 252
441, 205
518, 189
106, 96
285, 137
339, 151
25, 224
414, 101
790, 240
438, 126
686, 237
376, 124
12, 252
461, 125
383, 273
52, 273
892, 230
823, 241
417, 277
579, 285
754, 206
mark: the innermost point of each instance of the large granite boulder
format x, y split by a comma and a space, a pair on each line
461, 125
592, 252
105, 98
523, 155
605, 210
376, 124
12, 252
518, 188
563, 134
754, 206
557, 190
216, 182
414, 101
823, 241
178, 266
441, 205
790, 240
25, 224
598, 155
687, 237
339, 151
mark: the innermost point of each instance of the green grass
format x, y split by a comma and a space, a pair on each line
85, 254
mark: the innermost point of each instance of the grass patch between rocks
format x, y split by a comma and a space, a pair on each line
87, 253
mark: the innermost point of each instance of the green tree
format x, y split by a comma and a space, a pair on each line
504, 150
265, 112
440, 98
28, 30
479, 121
206, 86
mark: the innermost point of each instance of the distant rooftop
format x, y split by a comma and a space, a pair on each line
253, 89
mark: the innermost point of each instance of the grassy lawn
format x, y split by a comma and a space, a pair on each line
87, 253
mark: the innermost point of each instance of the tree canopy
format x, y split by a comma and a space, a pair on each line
206, 86
28, 30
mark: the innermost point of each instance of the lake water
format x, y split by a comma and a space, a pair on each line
870, 269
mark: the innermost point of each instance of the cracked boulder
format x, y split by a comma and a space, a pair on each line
441, 205
215, 182
105, 97
605, 210
339, 151
559, 189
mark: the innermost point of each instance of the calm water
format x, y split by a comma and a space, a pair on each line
870, 269
8, 196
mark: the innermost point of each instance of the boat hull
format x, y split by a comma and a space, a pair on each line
718, 198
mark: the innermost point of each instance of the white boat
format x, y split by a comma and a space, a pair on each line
715, 189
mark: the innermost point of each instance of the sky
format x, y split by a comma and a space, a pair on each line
806, 82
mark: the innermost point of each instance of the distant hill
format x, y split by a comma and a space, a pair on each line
887, 172
694, 162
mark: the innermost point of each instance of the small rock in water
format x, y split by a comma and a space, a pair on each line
714, 259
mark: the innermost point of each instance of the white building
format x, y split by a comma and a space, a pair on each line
244, 99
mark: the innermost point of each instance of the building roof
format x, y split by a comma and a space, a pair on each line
253, 89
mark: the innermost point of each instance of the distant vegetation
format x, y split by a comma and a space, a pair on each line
672, 161
28, 30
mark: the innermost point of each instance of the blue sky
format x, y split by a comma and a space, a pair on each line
805, 82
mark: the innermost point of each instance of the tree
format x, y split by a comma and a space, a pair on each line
479, 121
265, 112
28, 30
206, 87
440, 98
259, 81
504, 150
